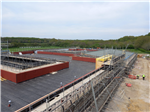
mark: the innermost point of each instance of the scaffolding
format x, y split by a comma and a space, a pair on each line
23, 62
18, 63
4, 44
91, 95
80, 97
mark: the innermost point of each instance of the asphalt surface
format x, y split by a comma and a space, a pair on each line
26, 92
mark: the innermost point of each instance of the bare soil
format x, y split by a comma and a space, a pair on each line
137, 97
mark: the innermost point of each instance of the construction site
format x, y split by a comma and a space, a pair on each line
74, 80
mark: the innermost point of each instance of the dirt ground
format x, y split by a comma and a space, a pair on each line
137, 97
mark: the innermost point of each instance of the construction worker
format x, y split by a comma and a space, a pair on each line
9, 103
61, 84
143, 77
74, 77
137, 76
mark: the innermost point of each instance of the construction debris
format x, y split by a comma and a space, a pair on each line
138, 92
128, 84
132, 76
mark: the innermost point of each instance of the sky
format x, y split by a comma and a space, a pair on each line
75, 20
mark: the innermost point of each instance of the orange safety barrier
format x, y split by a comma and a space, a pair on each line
132, 76
128, 84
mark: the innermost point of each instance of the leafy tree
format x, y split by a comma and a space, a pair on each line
139, 42
146, 46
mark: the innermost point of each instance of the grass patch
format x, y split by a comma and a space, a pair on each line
139, 51
27, 49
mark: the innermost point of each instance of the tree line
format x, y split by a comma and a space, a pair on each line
135, 42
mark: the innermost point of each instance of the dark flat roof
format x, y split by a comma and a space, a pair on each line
26, 92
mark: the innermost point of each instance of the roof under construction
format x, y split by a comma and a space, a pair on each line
108, 51
26, 92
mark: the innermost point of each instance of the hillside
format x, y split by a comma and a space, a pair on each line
139, 42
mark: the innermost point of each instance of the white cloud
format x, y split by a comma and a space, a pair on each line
66, 20
67, 11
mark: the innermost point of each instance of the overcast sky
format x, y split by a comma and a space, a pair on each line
75, 20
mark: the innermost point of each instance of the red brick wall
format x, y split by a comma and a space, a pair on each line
41, 71
55, 53
20, 77
83, 49
93, 60
8, 75
24, 52
92, 50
